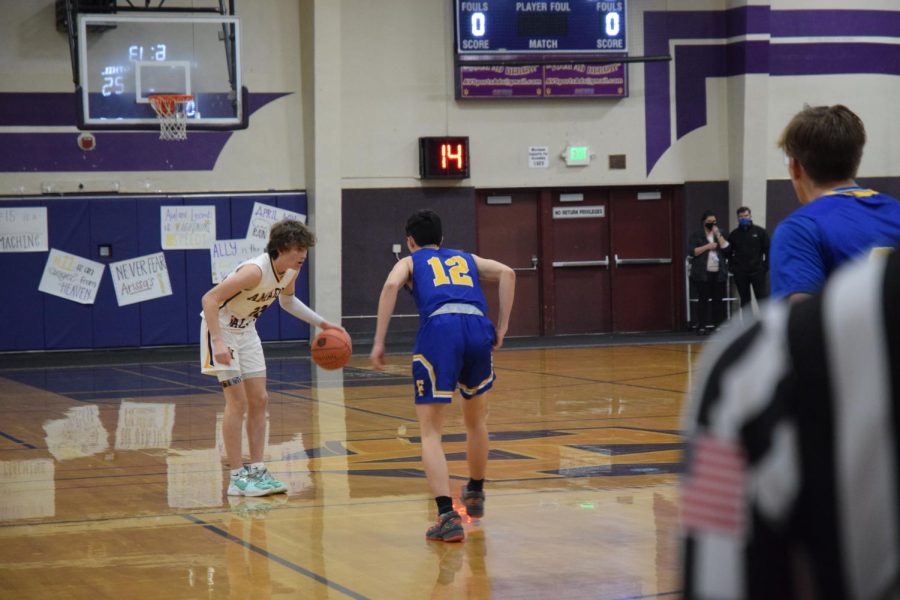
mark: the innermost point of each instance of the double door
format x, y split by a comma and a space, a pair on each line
587, 261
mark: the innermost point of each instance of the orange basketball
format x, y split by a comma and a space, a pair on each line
331, 349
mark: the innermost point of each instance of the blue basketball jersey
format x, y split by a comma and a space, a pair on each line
822, 235
443, 276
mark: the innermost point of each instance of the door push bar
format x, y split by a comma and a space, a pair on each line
533, 267
582, 263
642, 261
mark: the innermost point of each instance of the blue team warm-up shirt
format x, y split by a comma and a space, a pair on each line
820, 236
453, 347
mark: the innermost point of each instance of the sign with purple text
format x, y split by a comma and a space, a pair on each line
225, 255
264, 216
187, 227
585, 81
605, 80
140, 279
23, 229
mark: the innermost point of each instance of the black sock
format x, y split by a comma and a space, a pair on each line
444, 504
475, 485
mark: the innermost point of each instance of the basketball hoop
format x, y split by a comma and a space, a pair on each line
172, 118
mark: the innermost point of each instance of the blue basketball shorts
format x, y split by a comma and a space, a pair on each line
453, 351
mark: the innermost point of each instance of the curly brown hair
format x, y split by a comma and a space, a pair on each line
289, 235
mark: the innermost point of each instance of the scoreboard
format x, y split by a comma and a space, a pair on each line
486, 27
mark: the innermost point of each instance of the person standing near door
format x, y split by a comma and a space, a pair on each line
749, 261
709, 272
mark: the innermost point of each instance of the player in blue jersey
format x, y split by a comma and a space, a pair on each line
839, 219
453, 350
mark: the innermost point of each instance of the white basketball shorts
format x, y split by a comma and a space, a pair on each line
247, 359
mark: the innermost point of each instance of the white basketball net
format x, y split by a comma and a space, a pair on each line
172, 119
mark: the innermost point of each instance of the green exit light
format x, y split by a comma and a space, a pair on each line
578, 153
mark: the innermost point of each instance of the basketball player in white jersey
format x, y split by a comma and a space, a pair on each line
231, 350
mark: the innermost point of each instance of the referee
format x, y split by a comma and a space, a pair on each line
792, 487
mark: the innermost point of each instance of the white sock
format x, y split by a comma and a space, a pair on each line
258, 466
235, 472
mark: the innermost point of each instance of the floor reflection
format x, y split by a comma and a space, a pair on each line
194, 478
585, 456
78, 434
145, 425
27, 489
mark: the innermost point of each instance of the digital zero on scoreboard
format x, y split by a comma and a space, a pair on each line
444, 157
542, 27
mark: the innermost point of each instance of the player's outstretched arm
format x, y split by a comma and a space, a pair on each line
493, 270
396, 279
294, 306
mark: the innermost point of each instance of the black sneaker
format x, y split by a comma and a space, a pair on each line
447, 529
473, 501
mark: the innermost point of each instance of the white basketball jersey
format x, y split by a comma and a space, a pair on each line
241, 310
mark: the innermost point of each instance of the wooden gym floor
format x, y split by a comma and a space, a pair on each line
112, 482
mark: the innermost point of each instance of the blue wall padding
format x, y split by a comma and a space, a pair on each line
114, 221
22, 314
131, 225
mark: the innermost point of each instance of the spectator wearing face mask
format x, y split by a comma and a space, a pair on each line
709, 272
749, 261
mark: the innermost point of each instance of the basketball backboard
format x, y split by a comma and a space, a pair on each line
124, 59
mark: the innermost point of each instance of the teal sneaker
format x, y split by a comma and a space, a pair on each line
266, 478
245, 484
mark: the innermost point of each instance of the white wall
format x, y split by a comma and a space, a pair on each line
396, 84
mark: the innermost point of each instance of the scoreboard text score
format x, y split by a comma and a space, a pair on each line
542, 27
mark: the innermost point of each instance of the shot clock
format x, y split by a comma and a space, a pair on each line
444, 157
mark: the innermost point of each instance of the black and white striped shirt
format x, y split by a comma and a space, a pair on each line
792, 487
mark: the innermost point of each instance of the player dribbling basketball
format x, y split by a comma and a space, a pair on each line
231, 350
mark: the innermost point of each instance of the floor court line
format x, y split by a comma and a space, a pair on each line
275, 558
16, 440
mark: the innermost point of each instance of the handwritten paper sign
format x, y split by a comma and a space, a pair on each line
71, 277
187, 227
225, 255
23, 229
264, 216
140, 279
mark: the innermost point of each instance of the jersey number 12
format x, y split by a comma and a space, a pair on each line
459, 271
